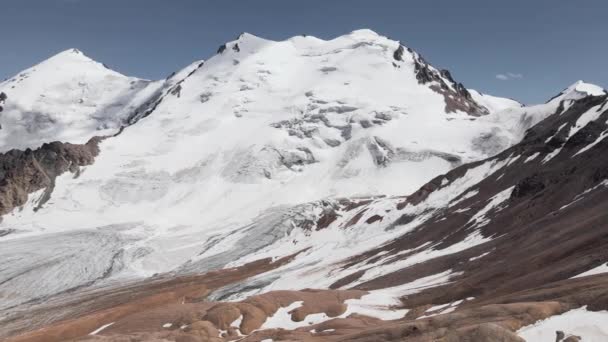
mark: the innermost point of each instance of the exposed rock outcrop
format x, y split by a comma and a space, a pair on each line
456, 96
3, 98
24, 172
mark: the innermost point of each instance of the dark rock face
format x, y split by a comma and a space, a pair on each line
588, 134
221, 49
373, 219
24, 172
3, 98
177, 91
456, 96
398, 54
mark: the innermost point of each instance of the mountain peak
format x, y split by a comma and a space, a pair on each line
581, 86
365, 33
69, 55
578, 90
68, 97
245, 40
248, 36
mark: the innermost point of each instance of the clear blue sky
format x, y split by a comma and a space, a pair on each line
545, 44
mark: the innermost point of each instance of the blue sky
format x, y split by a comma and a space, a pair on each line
527, 50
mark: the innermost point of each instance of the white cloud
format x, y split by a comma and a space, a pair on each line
512, 75
509, 76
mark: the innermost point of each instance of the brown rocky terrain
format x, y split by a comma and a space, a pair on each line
24, 172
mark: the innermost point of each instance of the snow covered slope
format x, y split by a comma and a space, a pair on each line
467, 213
354, 114
67, 98
221, 159
516, 238
263, 124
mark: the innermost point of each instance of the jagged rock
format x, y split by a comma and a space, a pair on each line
177, 91
3, 98
457, 97
423, 73
398, 54
446, 73
23, 172
222, 48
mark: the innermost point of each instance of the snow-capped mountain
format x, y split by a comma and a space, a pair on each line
264, 124
350, 116
350, 163
67, 98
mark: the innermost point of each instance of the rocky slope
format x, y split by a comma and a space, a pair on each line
414, 207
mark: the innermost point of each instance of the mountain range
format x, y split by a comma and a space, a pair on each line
299, 190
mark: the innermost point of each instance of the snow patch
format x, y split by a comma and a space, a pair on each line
589, 325
495, 203
98, 330
479, 256
590, 115
282, 318
597, 270
590, 146
551, 155
532, 157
